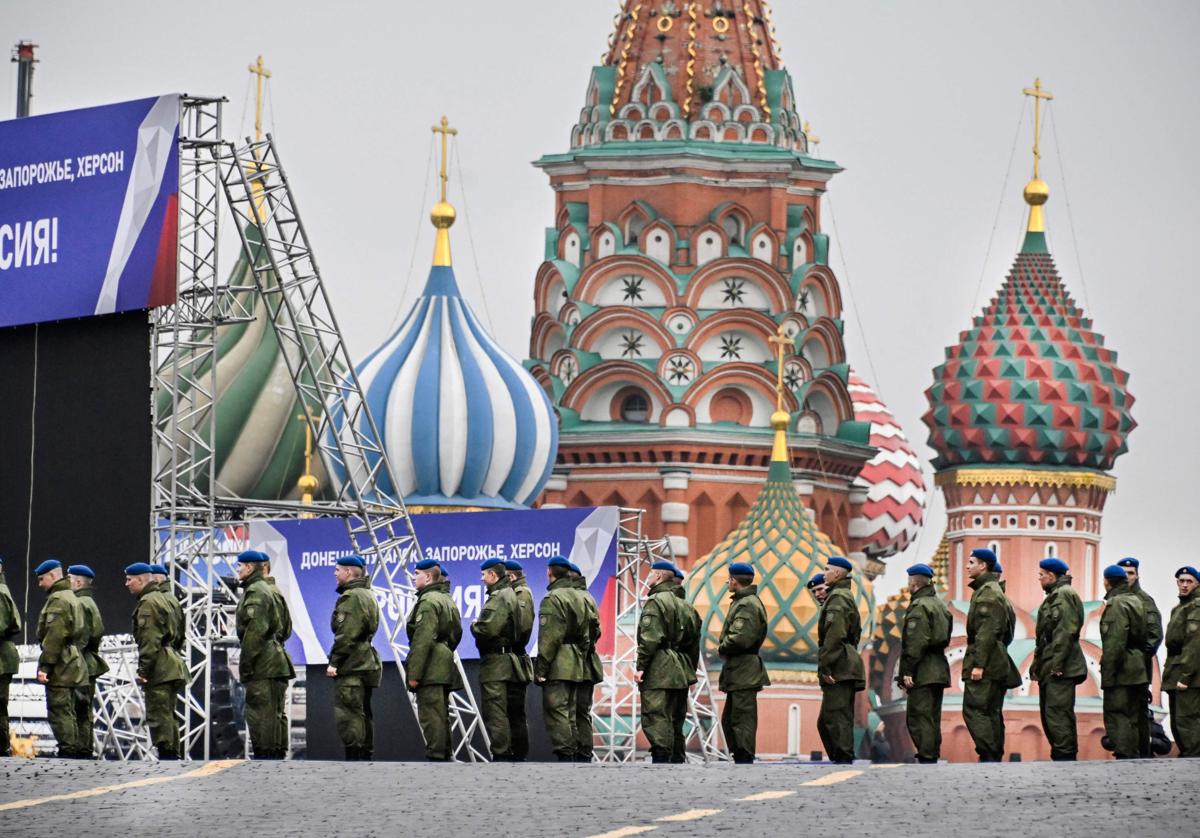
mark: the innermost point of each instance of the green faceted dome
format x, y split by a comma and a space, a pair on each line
786, 550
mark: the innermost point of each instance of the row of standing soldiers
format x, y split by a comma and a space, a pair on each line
1131, 632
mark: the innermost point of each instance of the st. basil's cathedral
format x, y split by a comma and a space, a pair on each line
686, 357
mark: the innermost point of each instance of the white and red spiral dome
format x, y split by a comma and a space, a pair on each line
894, 510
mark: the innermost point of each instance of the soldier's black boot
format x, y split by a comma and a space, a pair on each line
167, 756
351, 753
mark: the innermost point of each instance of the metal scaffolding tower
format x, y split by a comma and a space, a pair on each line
188, 508
616, 712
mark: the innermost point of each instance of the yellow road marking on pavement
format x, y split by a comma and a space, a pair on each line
830, 779
766, 795
689, 815
625, 830
206, 770
887, 765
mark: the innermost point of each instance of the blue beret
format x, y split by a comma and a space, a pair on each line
246, 557
818, 579
513, 564
137, 569
81, 570
741, 569
158, 568
920, 570
1129, 561
492, 563
997, 567
352, 561
427, 564
1054, 566
839, 561
558, 561
1188, 570
47, 566
679, 574
984, 554
574, 568
1115, 571
664, 565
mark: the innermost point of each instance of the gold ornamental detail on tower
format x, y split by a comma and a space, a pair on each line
1025, 477
1037, 192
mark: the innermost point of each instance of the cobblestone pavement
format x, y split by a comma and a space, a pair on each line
1129, 799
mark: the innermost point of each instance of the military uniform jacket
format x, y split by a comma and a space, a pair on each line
157, 629
595, 665
525, 618
497, 635
563, 635
742, 635
1154, 622
59, 630
924, 638
838, 633
662, 629
1183, 644
93, 631
991, 624
1059, 621
434, 629
692, 637
1123, 639
10, 627
260, 625
354, 622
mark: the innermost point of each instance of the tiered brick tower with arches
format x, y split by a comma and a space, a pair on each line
687, 230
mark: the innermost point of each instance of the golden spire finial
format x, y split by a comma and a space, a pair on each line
780, 418
259, 70
809, 137
1036, 191
308, 483
443, 214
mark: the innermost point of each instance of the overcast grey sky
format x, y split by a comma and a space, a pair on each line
919, 101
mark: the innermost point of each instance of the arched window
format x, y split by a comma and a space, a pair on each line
635, 407
636, 225
733, 229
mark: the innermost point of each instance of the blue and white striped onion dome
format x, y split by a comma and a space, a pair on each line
462, 422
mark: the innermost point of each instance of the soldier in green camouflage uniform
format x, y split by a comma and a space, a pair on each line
1122, 663
562, 666
1154, 637
61, 666
285, 633
988, 671
93, 630
1058, 664
743, 674
353, 661
691, 653
584, 739
264, 666
839, 665
434, 630
496, 636
662, 668
1181, 673
10, 627
161, 670
518, 723
924, 672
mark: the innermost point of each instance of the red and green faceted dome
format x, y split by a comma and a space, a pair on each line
1030, 383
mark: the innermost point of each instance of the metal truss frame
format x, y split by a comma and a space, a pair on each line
119, 705
616, 711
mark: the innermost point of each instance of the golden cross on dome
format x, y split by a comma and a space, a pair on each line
781, 342
446, 131
259, 70
1038, 95
809, 137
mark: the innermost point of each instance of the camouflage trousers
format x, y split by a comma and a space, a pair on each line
661, 717
583, 722
1056, 700
493, 706
433, 714
1123, 709
85, 720
5, 683
983, 712
835, 721
161, 700
266, 716
62, 713
923, 717
353, 717
558, 710
518, 723
1185, 720
739, 723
